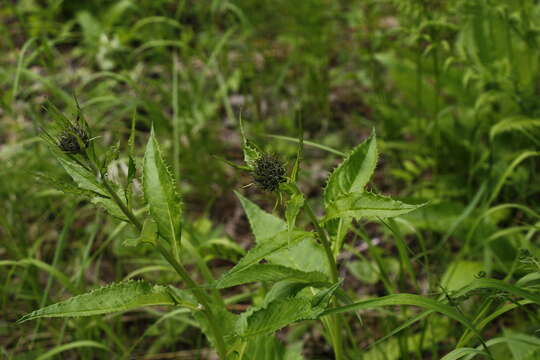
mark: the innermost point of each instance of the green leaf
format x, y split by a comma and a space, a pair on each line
362, 205
406, 299
70, 346
268, 272
287, 289
299, 151
267, 248
522, 346
515, 123
82, 176
264, 347
160, 193
460, 273
282, 312
264, 226
500, 286
293, 206
132, 166
225, 320
462, 352
110, 206
148, 235
116, 297
112, 154
365, 271
53, 271
305, 255
354, 172
251, 153
87, 181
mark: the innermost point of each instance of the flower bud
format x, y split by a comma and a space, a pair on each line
268, 172
71, 139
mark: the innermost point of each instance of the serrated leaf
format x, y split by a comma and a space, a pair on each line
282, 312
132, 166
110, 206
354, 172
362, 205
266, 347
263, 225
226, 321
268, 272
84, 178
112, 298
287, 289
66, 187
305, 255
251, 153
132, 171
160, 192
265, 249
112, 154
293, 207
87, 182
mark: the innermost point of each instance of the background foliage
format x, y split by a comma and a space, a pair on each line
451, 88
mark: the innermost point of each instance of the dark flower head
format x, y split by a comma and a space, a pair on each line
71, 139
268, 172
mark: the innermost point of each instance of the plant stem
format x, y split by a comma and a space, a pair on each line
334, 327
129, 214
324, 240
199, 294
201, 297
122, 206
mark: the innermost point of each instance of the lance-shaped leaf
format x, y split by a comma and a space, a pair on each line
268, 272
282, 312
306, 255
83, 177
362, 205
116, 297
110, 206
264, 226
354, 172
87, 181
267, 248
160, 192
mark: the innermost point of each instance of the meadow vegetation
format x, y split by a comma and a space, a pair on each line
267, 180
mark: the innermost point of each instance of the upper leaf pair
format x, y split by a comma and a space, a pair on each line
345, 195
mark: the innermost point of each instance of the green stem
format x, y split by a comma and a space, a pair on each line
324, 240
334, 326
201, 297
122, 206
199, 294
129, 214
